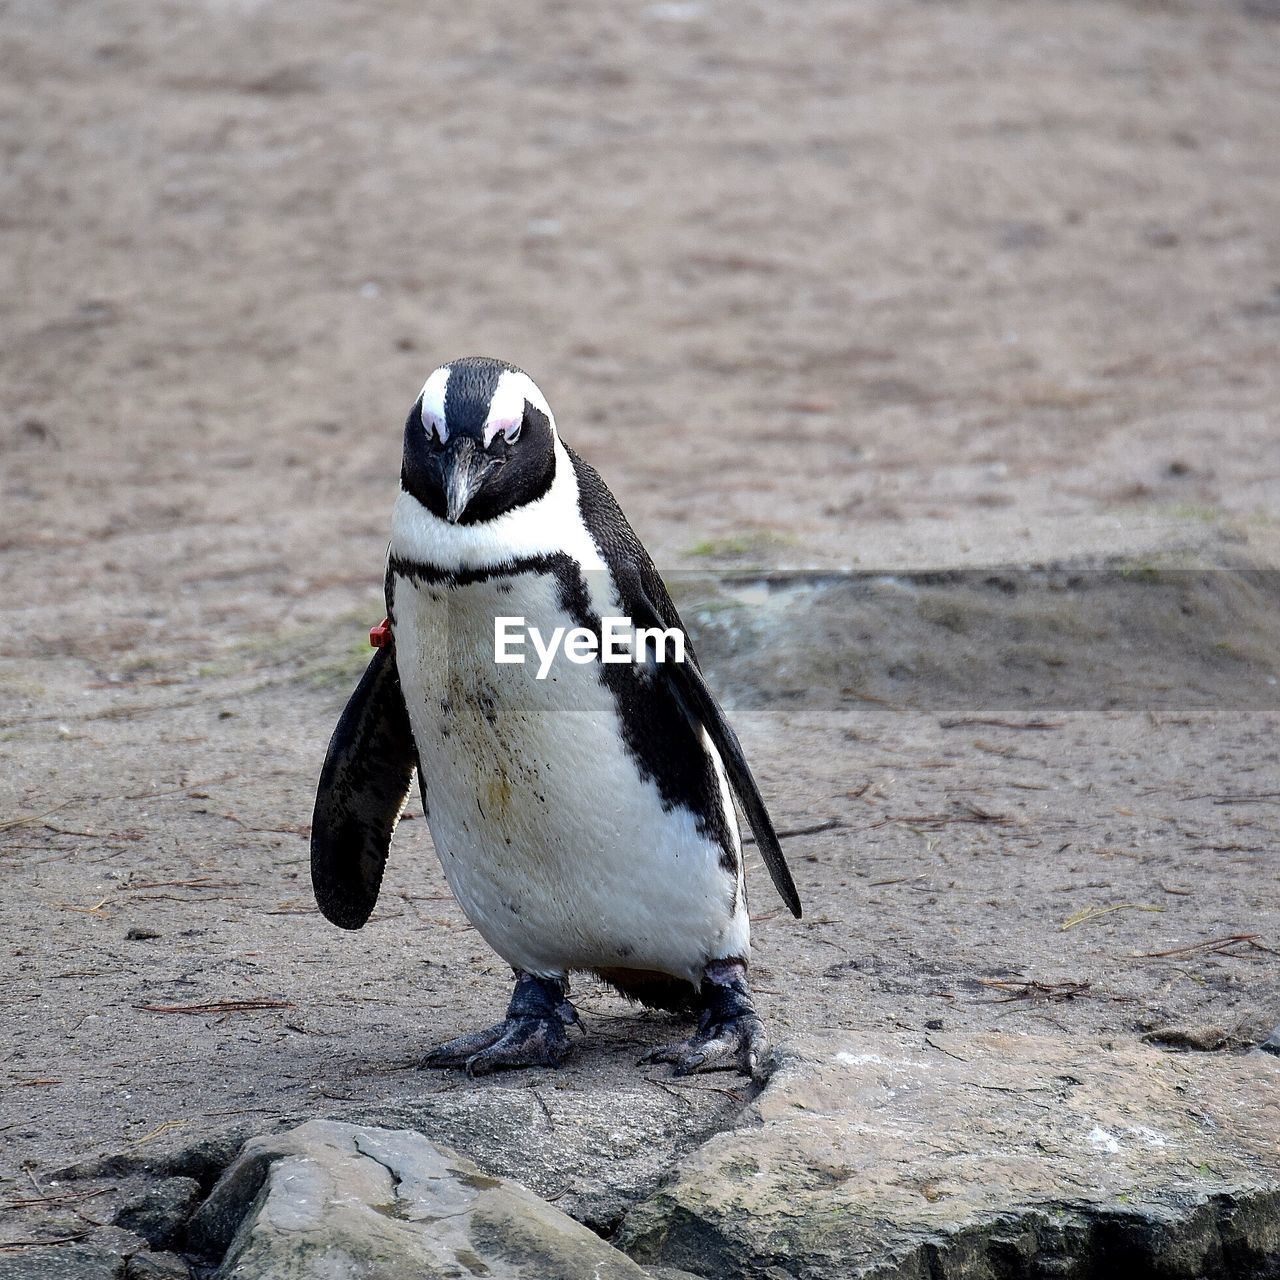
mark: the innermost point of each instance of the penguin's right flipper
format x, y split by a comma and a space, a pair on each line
363, 788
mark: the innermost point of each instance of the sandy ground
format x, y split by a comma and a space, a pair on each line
886, 286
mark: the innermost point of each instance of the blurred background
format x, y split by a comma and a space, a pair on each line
821, 284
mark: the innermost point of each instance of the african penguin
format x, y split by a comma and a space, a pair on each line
584, 817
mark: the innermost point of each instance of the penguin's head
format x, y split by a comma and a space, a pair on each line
479, 441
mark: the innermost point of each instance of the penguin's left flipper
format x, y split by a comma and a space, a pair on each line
703, 709
363, 788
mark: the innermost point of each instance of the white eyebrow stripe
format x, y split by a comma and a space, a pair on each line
506, 407
505, 425
432, 395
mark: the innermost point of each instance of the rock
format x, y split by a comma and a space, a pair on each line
156, 1266
329, 1199
80, 1261
203, 1159
595, 1144
104, 1164
206, 1158
159, 1214
1203, 1039
981, 1155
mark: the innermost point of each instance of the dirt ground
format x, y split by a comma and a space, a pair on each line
885, 287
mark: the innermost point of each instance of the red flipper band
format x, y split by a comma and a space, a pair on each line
380, 636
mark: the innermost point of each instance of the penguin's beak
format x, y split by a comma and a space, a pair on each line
465, 468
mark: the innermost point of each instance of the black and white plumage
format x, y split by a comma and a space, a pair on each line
585, 821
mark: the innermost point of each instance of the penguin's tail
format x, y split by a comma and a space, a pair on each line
656, 990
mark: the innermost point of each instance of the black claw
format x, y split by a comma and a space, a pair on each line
730, 1035
569, 1016
457, 1053
533, 1034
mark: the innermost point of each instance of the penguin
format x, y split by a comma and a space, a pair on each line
585, 818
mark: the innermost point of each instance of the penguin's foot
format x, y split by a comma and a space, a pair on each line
534, 1033
730, 1035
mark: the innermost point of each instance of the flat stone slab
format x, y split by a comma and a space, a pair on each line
331, 1199
979, 1155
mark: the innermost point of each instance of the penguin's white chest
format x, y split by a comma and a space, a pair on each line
561, 853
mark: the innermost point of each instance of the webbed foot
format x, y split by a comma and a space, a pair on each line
534, 1033
730, 1035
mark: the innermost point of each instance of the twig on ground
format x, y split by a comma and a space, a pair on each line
173, 791
985, 815
863, 696
88, 911
541, 1101
966, 722
702, 1088
7, 1245
972, 813
1085, 914
1236, 797
29, 818
1005, 753
65, 1198
829, 825
165, 1126
132, 836
201, 882
240, 822
1209, 946
217, 1006
1038, 992
666, 1088
46, 1198
9, 823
